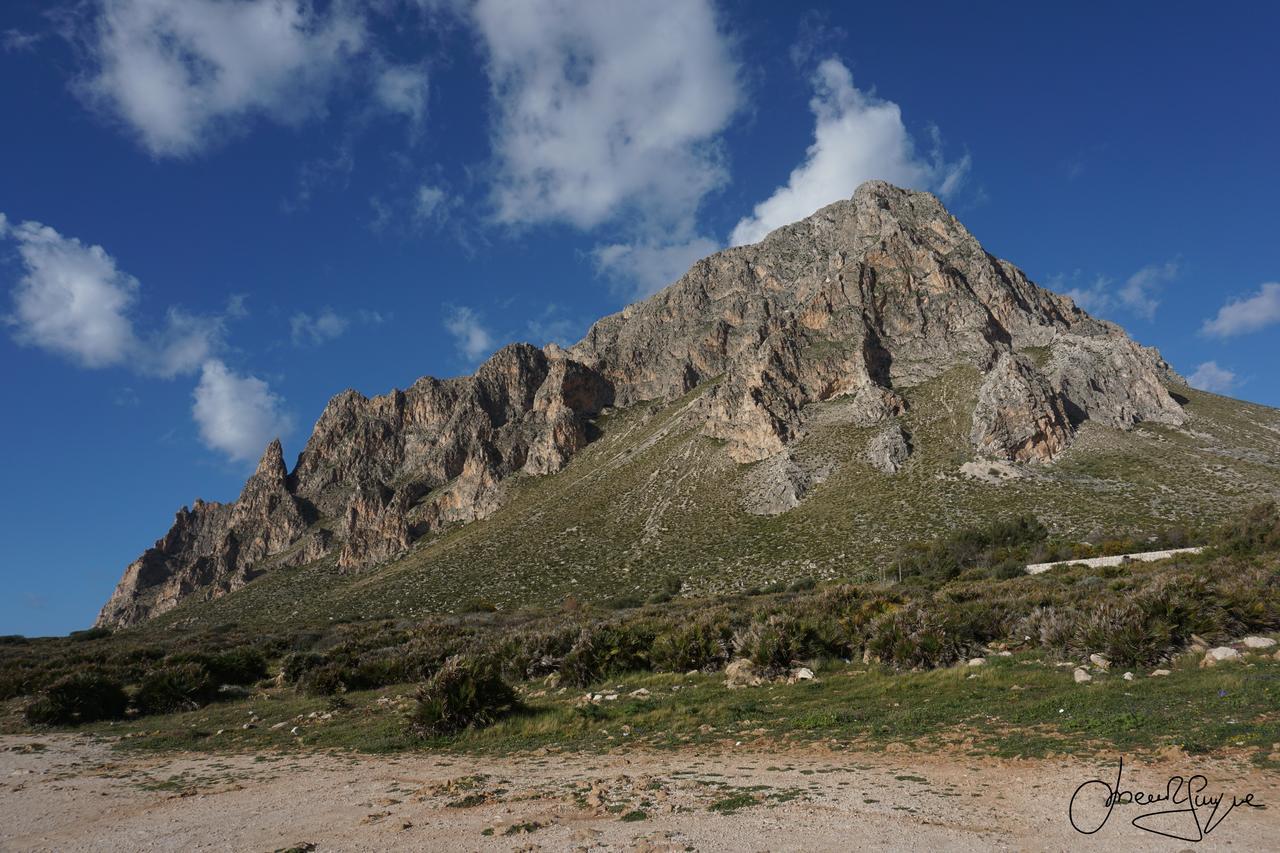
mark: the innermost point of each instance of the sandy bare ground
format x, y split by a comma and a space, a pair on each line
65, 792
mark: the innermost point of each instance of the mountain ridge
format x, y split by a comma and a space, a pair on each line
854, 305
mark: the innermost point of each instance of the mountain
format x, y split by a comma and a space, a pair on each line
800, 405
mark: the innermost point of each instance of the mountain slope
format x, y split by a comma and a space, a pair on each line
796, 407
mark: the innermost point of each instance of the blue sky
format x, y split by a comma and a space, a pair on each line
219, 213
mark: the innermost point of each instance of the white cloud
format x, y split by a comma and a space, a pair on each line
857, 137
237, 415
473, 340
1138, 294
606, 109
17, 41
1241, 316
1210, 377
551, 327
433, 204
651, 266
183, 344
315, 329
73, 300
181, 73
403, 89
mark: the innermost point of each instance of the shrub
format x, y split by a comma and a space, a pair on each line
18, 681
626, 601
466, 692
1123, 634
668, 589
79, 698
89, 634
946, 558
604, 649
324, 680
771, 643
298, 664
802, 585
1257, 530
176, 687
240, 665
1046, 627
704, 644
913, 637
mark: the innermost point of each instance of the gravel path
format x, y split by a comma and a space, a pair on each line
1144, 557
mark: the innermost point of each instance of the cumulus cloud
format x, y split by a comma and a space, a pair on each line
181, 73
604, 109
1250, 314
651, 266
856, 137
237, 415
74, 300
1210, 377
474, 341
316, 329
1137, 294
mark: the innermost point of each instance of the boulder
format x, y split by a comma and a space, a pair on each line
802, 673
1219, 655
742, 673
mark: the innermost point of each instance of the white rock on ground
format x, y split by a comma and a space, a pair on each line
802, 673
1258, 642
977, 661
1218, 655
1081, 676
1100, 662
1128, 676
1160, 673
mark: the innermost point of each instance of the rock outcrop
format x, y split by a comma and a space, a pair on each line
863, 299
376, 474
1019, 415
889, 450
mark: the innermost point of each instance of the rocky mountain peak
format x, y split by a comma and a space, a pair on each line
865, 298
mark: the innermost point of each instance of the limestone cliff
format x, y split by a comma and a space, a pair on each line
863, 298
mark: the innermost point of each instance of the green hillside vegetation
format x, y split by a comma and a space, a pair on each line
516, 678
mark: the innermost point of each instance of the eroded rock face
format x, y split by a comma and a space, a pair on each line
1019, 415
863, 299
212, 548
889, 450
376, 474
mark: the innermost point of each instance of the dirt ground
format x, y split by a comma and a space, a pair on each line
63, 792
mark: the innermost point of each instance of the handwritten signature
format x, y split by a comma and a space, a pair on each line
1203, 812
